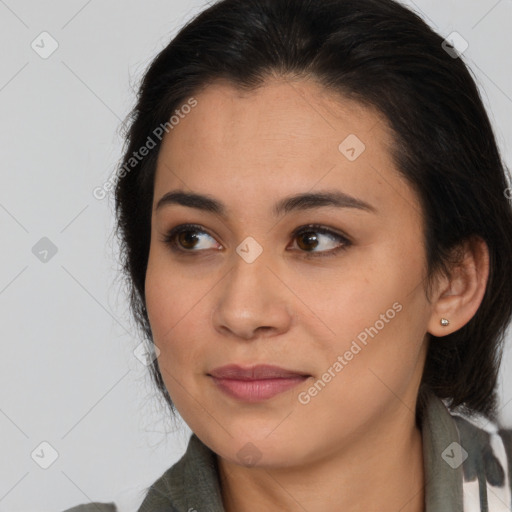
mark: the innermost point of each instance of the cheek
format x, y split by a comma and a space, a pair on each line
376, 313
160, 304
375, 366
170, 297
164, 311
349, 300
176, 315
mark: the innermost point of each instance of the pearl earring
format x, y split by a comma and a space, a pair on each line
444, 322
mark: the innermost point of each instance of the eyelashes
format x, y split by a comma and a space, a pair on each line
189, 240
177, 236
303, 233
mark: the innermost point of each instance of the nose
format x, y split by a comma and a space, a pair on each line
251, 301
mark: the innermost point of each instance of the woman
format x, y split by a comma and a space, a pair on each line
315, 226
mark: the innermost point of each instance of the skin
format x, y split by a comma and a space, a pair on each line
355, 445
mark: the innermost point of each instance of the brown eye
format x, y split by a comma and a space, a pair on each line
307, 240
189, 238
312, 237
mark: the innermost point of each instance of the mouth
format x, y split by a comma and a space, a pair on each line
256, 383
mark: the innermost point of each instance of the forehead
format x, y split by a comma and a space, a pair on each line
281, 138
280, 110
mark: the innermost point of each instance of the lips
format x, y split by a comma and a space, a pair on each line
256, 383
258, 372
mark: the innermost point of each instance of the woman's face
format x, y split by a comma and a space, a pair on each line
341, 303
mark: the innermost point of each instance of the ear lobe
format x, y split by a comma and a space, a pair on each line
460, 294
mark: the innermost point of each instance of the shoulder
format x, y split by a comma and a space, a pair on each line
168, 492
93, 507
506, 435
487, 461
190, 484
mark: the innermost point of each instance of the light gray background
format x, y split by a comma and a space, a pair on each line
68, 375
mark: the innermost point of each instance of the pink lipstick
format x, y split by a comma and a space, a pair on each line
256, 383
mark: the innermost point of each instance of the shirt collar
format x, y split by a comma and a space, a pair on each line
441, 457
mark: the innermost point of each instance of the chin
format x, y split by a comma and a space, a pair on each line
263, 453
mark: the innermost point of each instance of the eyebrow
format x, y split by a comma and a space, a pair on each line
297, 202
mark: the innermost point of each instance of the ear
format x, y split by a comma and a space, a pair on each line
459, 295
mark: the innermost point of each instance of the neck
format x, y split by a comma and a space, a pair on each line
380, 471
